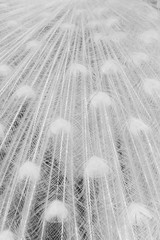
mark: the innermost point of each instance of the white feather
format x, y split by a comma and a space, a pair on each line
56, 209
118, 37
149, 36
12, 23
32, 45
110, 66
99, 99
151, 86
6, 235
4, 70
138, 214
59, 125
68, 26
78, 68
96, 167
111, 22
136, 125
29, 170
139, 58
25, 91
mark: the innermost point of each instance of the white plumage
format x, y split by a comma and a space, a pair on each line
56, 209
79, 120
29, 170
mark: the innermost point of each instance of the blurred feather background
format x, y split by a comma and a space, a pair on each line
79, 120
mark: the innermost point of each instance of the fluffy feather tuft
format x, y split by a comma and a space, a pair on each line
56, 209
78, 68
33, 45
110, 66
136, 126
4, 70
151, 86
25, 91
29, 170
149, 36
100, 99
138, 214
6, 235
96, 167
140, 58
59, 125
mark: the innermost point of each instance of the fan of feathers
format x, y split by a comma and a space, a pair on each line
79, 120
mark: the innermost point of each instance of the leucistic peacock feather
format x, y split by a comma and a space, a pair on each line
79, 120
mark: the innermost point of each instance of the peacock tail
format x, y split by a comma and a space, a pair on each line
79, 120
